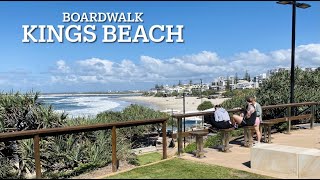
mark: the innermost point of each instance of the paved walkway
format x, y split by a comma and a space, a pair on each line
239, 157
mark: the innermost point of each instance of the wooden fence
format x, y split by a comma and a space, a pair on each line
312, 106
37, 134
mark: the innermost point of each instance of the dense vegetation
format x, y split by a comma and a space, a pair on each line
276, 90
64, 155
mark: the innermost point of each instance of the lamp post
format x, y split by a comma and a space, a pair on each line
201, 101
294, 5
201, 90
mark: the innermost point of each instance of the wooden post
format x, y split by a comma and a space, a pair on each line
245, 136
265, 133
289, 122
289, 125
227, 139
164, 139
313, 112
36, 146
114, 149
269, 134
223, 141
179, 136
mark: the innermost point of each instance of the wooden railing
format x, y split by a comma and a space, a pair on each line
37, 134
289, 106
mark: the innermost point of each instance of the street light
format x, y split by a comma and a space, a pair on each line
201, 99
294, 5
201, 90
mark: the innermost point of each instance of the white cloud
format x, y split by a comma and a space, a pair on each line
62, 67
203, 64
105, 73
96, 66
203, 58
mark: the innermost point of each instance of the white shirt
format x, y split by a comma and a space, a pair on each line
221, 115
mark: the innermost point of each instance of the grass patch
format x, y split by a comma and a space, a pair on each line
149, 158
184, 169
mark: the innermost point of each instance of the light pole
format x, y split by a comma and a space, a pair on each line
184, 118
201, 90
201, 100
293, 38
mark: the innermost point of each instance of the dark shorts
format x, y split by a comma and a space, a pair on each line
222, 124
247, 122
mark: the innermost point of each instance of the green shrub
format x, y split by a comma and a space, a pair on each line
238, 98
6, 171
205, 105
213, 141
70, 154
190, 148
237, 133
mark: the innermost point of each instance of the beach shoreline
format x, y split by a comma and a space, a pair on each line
172, 103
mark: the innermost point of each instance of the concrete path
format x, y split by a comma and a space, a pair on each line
239, 157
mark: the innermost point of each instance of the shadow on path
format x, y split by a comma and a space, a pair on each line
248, 164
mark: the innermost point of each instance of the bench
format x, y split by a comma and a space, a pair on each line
267, 127
247, 134
269, 123
187, 133
299, 117
199, 141
225, 139
225, 136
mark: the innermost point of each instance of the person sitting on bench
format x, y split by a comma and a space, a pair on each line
221, 118
247, 118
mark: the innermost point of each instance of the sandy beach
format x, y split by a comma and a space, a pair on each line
169, 103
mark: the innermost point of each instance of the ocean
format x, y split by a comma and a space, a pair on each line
89, 105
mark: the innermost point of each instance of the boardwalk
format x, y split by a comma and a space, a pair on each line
239, 157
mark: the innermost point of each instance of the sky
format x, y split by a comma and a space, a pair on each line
221, 38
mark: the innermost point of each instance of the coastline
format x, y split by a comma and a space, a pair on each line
172, 103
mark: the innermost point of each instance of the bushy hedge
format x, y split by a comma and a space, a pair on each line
205, 105
64, 155
276, 90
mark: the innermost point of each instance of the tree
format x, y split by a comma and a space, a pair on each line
247, 76
205, 105
228, 87
276, 90
236, 78
190, 82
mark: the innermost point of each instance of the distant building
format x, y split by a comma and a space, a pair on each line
220, 83
244, 84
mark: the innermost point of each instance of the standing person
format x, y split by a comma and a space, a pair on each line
258, 107
259, 117
221, 118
